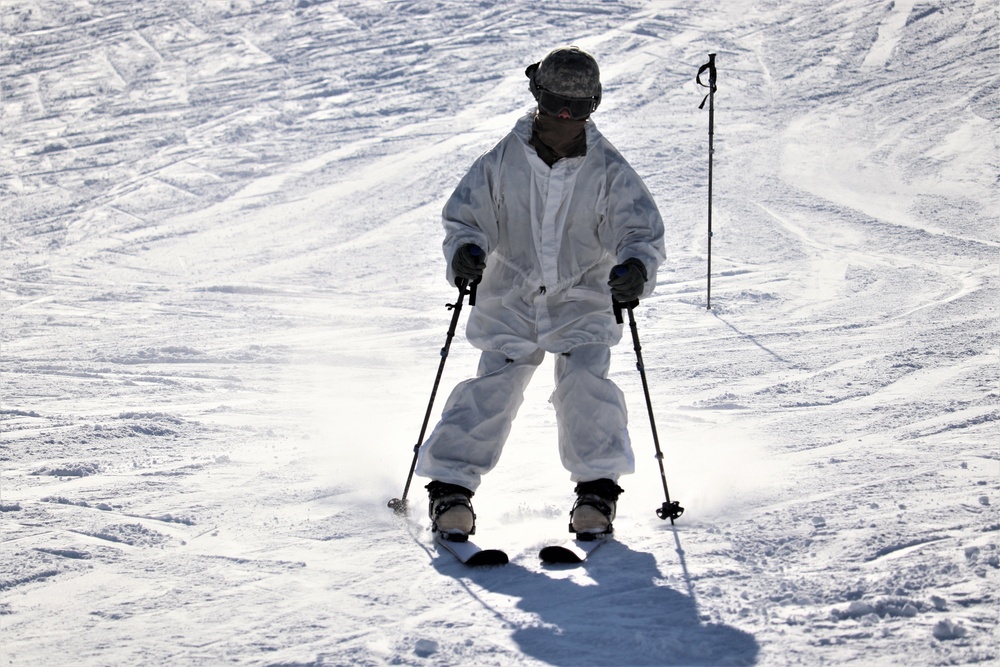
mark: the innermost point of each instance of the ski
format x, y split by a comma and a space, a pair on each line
570, 551
472, 554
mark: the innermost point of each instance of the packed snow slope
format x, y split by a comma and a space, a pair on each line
223, 300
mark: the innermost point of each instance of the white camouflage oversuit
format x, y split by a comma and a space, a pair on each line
552, 236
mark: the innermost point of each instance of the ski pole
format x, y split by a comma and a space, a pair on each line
671, 509
399, 505
710, 66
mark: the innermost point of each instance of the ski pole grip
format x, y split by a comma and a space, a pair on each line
472, 291
711, 85
619, 305
710, 68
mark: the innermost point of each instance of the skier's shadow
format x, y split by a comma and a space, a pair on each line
626, 615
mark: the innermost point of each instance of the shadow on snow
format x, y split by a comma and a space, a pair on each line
627, 615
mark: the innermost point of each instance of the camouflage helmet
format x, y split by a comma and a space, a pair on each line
568, 71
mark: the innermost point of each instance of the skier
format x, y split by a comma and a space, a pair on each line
554, 223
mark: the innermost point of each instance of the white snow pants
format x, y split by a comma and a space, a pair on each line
590, 413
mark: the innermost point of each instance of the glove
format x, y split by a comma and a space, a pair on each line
627, 280
469, 262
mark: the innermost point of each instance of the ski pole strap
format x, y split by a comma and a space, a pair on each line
710, 67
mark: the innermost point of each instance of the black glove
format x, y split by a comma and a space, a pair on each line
469, 262
627, 280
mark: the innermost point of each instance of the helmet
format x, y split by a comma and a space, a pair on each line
568, 72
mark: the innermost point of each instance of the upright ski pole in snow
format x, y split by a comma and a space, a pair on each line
399, 505
671, 509
710, 66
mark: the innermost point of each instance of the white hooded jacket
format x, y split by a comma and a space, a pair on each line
552, 236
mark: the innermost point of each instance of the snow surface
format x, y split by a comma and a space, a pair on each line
223, 301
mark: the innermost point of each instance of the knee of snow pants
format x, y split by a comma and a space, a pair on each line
476, 420
592, 416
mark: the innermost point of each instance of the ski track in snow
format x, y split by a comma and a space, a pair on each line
223, 301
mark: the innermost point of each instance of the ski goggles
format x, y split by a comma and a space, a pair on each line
577, 107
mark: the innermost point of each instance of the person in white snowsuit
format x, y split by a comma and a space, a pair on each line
555, 224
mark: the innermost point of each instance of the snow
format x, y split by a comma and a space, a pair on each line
223, 301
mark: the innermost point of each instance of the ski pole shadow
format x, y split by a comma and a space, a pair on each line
621, 613
752, 339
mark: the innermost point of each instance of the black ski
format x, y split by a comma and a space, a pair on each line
570, 551
472, 554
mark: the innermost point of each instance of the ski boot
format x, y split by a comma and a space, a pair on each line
594, 509
451, 512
